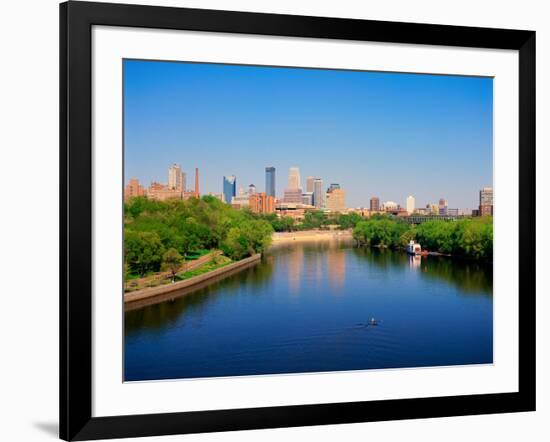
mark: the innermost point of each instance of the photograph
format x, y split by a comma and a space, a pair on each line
289, 220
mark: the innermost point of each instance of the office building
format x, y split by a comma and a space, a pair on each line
318, 193
240, 200
133, 188
270, 181
375, 204
294, 178
229, 188
309, 183
162, 192
433, 208
443, 206
410, 204
260, 202
251, 189
452, 212
292, 195
336, 200
307, 198
486, 201
176, 178
390, 206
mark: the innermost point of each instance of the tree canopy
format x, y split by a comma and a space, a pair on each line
471, 237
151, 228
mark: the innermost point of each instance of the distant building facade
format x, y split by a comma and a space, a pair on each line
307, 198
292, 195
240, 200
410, 204
270, 181
318, 193
176, 178
486, 201
374, 204
443, 206
310, 183
162, 192
433, 208
133, 188
260, 202
452, 212
336, 200
229, 188
294, 178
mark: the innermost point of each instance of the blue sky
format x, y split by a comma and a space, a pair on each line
376, 134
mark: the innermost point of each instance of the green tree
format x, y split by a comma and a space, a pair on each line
250, 237
143, 251
348, 221
171, 261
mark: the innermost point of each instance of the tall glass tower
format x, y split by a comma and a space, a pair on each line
318, 193
229, 188
270, 181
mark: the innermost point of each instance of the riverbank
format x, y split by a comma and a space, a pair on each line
191, 283
310, 235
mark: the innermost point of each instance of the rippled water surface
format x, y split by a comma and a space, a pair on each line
306, 308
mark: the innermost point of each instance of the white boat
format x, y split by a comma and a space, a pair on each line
413, 248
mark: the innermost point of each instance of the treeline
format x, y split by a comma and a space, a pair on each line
472, 237
158, 234
312, 220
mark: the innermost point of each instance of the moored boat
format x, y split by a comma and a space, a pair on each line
413, 248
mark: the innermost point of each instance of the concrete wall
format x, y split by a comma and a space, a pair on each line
196, 280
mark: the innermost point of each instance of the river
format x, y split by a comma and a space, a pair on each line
307, 308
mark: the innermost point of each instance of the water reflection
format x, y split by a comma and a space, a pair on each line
467, 276
163, 314
295, 260
298, 310
336, 265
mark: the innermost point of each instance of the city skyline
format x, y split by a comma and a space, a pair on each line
231, 187
378, 134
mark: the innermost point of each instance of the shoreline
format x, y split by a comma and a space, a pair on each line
141, 298
309, 236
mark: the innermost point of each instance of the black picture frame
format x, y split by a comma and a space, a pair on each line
76, 21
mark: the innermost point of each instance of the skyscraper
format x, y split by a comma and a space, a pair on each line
374, 204
486, 201
229, 188
294, 178
318, 193
309, 183
410, 204
270, 181
176, 178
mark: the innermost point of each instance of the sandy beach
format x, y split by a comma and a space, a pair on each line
310, 235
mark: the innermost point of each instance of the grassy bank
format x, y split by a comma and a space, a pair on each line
161, 235
222, 261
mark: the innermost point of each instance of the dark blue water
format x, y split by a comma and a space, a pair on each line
306, 308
